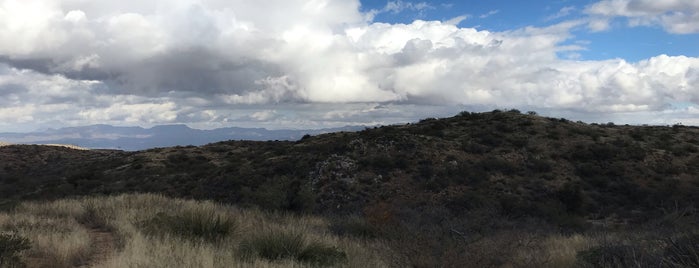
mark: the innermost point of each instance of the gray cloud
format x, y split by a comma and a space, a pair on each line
677, 16
307, 63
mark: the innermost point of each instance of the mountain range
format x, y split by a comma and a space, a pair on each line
138, 138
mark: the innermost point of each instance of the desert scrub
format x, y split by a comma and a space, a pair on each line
11, 245
191, 224
682, 251
607, 256
278, 245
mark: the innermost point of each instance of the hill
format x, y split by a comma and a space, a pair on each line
452, 184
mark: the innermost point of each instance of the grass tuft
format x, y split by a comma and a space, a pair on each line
322, 255
278, 245
193, 225
273, 245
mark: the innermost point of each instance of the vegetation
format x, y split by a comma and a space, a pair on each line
224, 236
496, 189
192, 225
11, 245
279, 244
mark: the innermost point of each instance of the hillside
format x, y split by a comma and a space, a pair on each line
448, 182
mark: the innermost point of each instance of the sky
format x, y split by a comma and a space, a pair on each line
327, 63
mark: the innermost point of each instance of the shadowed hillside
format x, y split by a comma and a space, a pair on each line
449, 182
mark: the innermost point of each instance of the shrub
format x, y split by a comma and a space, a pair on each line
322, 255
538, 165
273, 245
683, 251
191, 225
494, 164
91, 215
571, 197
608, 256
278, 245
353, 226
464, 114
11, 245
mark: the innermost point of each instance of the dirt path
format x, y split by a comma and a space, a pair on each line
103, 245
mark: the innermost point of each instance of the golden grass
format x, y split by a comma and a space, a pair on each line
59, 232
563, 249
58, 240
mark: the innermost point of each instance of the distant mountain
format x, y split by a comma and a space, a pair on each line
138, 138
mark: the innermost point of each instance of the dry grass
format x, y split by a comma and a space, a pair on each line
59, 234
57, 239
563, 249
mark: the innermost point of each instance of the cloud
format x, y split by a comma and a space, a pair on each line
457, 20
490, 13
302, 63
399, 6
563, 12
677, 16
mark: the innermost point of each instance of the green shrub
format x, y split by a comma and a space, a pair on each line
277, 245
11, 245
191, 225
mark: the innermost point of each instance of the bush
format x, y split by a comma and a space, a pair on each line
494, 164
683, 251
277, 245
609, 256
191, 225
91, 215
322, 255
539, 165
353, 226
273, 245
11, 245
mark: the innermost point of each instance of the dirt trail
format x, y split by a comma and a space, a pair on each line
103, 246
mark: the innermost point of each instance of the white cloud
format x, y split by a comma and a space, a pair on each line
265, 115
563, 12
676, 16
457, 20
315, 63
490, 13
400, 6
